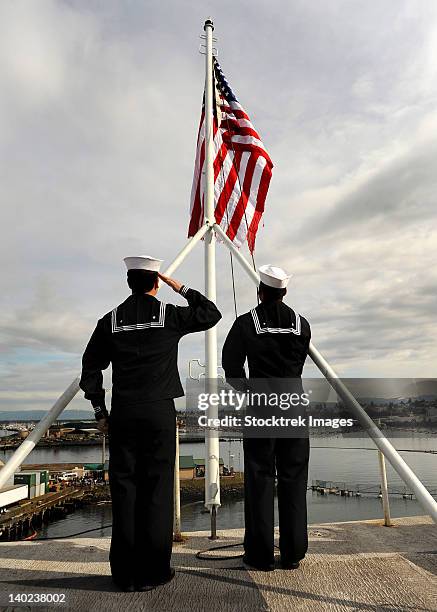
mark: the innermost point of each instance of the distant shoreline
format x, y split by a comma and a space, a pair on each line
6, 445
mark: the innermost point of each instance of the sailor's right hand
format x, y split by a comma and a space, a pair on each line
171, 282
102, 425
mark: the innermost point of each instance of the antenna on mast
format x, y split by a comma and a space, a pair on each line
202, 49
208, 22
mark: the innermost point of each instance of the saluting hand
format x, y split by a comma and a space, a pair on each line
171, 282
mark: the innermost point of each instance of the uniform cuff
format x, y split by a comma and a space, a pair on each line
183, 290
100, 412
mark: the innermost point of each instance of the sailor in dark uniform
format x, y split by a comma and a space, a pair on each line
140, 339
274, 340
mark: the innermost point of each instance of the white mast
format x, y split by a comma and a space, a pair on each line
212, 474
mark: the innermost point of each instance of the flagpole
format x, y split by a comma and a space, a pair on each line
212, 474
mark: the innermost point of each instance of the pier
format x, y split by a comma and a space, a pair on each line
346, 489
350, 566
24, 519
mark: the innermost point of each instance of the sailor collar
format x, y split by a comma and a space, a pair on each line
261, 327
157, 319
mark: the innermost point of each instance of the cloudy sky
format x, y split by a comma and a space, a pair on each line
99, 109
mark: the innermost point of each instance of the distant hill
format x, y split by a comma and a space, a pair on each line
424, 389
37, 415
399, 390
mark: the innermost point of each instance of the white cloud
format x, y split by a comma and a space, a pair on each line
98, 118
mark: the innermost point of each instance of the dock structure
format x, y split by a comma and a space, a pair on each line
347, 489
26, 518
350, 566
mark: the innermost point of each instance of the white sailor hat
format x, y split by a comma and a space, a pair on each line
273, 276
145, 262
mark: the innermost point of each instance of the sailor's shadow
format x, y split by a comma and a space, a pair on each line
62, 583
301, 595
427, 560
200, 579
40, 552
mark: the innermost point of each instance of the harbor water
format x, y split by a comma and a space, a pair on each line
350, 460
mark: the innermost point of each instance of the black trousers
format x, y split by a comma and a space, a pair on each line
288, 458
141, 470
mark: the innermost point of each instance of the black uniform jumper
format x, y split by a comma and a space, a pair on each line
140, 339
275, 341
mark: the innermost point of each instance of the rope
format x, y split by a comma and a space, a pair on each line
241, 191
233, 285
72, 535
231, 259
203, 554
227, 219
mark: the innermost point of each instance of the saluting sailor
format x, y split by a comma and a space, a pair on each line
140, 339
274, 340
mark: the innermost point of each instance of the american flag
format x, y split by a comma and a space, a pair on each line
242, 168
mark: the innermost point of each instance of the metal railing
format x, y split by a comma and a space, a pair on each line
387, 450
27, 446
33, 438
428, 503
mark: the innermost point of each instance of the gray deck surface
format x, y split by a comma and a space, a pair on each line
350, 566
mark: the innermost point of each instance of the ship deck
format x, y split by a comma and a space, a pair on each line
350, 566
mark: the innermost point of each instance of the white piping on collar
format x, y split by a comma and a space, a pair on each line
159, 323
275, 330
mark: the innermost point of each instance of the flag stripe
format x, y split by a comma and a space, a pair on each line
242, 169
250, 209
